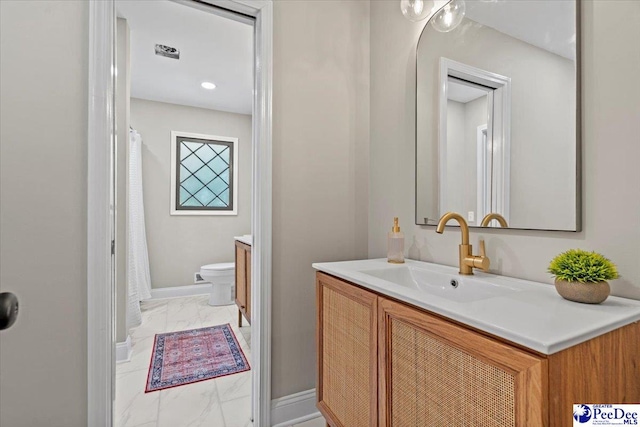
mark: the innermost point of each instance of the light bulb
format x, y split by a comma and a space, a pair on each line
449, 17
418, 7
416, 10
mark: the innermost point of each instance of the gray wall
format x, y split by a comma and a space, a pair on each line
180, 244
43, 174
320, 136
611, 195
123, 94
542, 132
462, 126
455, 184
320, 166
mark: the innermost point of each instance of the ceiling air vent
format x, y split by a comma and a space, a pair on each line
168, 51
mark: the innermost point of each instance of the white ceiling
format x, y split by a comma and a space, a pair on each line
547, 24
220, 50
212, 48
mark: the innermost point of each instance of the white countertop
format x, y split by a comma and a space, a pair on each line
533, 315
247, 239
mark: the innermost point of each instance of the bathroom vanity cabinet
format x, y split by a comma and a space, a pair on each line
383, 362
243, 281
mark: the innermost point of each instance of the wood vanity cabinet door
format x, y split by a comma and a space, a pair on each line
438, 374
347, 353
248, 282
241, 283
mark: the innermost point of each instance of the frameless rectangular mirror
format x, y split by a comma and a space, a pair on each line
497, 115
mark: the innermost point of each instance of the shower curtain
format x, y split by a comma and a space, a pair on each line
138, 255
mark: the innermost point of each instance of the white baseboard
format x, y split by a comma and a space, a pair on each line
123, 350
294, 409
181, 291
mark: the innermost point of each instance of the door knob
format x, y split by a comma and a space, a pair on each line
8, 309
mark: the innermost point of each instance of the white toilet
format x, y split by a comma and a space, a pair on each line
222, 279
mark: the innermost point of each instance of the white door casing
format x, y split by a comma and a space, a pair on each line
498, 133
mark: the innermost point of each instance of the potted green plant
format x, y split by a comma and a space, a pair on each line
582, 276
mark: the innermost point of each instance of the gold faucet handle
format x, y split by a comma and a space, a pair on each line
482, 262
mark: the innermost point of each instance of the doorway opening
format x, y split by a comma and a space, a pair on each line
149, 131
182, 172
474, 141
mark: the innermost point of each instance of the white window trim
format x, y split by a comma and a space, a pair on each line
174, 153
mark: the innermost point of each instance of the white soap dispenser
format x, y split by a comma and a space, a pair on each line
395, 244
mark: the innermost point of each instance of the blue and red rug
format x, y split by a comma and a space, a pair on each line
186, 357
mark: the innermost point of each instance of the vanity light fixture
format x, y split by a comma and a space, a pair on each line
208, 85
449, 17
416, 10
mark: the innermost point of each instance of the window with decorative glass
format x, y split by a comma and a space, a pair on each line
204, 174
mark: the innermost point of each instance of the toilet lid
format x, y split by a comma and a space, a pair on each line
223, 266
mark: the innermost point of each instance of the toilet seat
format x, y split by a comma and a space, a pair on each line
218, 270
223, 266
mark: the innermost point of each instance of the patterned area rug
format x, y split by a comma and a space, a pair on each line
186, 357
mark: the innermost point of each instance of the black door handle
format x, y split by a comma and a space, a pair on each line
8, 310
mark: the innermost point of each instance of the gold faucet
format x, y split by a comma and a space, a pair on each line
468, 261
487, 219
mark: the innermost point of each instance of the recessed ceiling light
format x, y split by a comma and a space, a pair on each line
208, 85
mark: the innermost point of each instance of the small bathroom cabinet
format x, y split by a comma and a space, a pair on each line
383, 362
243, 281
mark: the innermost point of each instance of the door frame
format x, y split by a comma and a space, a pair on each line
101, 137
482, 207
499, 109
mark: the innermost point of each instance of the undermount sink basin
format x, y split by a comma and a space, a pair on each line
456, 288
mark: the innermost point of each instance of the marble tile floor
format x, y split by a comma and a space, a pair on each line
316, 422
220, 402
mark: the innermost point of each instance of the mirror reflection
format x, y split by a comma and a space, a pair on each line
496, 133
